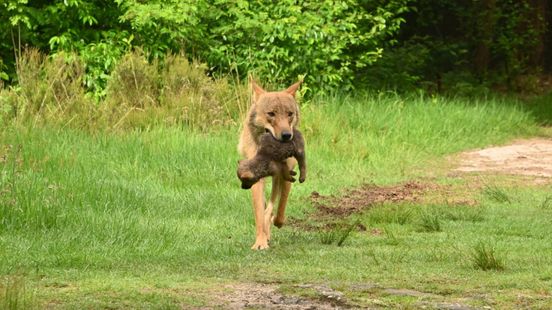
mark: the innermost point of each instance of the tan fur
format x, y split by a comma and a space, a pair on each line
277, 113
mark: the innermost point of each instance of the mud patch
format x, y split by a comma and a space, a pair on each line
531, 157
320, 296
358, 199
267, 296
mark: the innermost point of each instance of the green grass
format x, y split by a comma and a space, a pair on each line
497, 194
14, 294
430, 222
157, 219
484, 258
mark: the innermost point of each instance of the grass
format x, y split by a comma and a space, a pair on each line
484, 258
546, 203
156, 218
497, 194
14, 294
338, 234
430, 222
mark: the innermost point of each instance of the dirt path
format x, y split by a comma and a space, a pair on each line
320, 296
531, 157
268, 296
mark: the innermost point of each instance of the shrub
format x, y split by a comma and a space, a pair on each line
200, 100
134, 83
326, 40
277, 40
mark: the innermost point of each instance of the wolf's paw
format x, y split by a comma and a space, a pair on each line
278, 222
260, 245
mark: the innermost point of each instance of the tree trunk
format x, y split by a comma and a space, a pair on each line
484, 30
539, 21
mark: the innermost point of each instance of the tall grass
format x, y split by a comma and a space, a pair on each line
14, 294
484, 257
49, 90
139, 94
497, 194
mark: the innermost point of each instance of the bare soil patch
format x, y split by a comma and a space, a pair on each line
532, 157
267, 296
331, 211
528, 160
358, 199
319, 296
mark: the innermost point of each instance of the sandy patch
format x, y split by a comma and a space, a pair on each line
531, 157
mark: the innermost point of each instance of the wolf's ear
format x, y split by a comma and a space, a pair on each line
293, 88
257, 90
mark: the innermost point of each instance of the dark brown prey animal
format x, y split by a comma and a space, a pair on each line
270, 160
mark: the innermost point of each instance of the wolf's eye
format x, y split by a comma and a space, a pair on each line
290, 114
271, 114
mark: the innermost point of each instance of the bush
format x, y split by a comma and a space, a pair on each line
276, 40
326, 40
201, 101
134, 83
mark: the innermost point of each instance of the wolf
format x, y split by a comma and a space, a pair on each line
276, 113
270, 160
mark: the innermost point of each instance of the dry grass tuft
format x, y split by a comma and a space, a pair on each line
139, 94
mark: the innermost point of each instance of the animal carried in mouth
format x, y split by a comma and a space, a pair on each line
270, 160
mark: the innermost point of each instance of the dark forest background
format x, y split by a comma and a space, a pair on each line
443, 46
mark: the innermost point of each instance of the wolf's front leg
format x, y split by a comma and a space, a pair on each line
261, 240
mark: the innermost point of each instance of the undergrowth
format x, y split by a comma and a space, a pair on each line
485, 257
140, 94
15, 294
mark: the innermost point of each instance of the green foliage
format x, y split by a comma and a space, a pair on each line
328, 41
159, 27
59, 25
465, 47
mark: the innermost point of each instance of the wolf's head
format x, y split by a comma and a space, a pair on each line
276, 112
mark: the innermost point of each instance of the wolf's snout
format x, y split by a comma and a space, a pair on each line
286, 136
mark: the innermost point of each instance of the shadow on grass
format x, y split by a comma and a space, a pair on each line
540, 108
